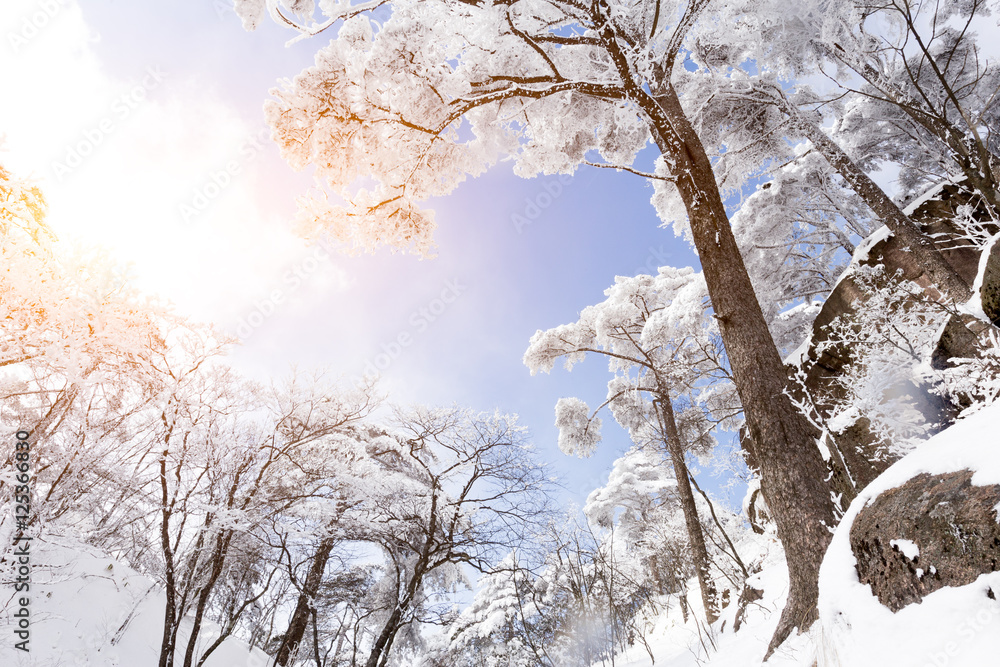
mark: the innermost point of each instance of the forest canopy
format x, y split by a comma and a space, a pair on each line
834, 169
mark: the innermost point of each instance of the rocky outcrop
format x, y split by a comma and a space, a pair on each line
991, 285
931, 532
861, 455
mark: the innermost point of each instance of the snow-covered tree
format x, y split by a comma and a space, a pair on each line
70, 320
503, 626
798, 232
581, 604
661, 344
413, 97
409, 503
77, 347
202, 468
639, 513
473, 491
751, 100
928, 93
893, 372
639, 504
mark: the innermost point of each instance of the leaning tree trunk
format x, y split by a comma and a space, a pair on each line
219, 554
696, 536
383, 643
928, 255
303, 609
970, 153
792, 470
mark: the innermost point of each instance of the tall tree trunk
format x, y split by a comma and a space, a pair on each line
170, 620
169, 613
380, 650
384, 641
792, 470
654, 568
300, 617
921, 245
699, 553
341, 634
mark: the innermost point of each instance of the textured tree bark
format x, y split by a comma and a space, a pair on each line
300, 617
698, 551
792, 470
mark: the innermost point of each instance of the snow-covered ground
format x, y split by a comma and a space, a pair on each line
90, 609
674, 643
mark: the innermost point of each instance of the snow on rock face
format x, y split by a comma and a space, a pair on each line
908, 548
954, 625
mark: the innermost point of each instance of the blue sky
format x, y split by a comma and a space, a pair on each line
465, 317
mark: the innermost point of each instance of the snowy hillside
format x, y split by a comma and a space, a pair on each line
88, 609
676, 643
952, 626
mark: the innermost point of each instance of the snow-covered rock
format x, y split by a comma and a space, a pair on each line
932, 532
950, 626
